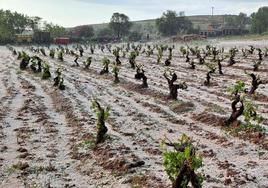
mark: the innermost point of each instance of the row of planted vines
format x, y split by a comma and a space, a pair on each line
135, 115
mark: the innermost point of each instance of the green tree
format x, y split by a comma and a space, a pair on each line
34, 22
242, 20
120, 24
11, 24
171, 24
239, 21
260, 21
20, 22
55, 30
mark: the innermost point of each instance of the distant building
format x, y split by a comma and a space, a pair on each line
221, 30
25, 37
29, 36
42, 37
62, 41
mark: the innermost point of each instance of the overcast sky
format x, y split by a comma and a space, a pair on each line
76, 12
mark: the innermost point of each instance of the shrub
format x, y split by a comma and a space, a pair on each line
46, 72
140, 74
246, 108
24, 60
105, 63
173, 88
182, 163
87, 63
102, 115
132, 58
115, 71
117, 56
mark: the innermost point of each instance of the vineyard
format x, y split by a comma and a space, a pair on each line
134, 115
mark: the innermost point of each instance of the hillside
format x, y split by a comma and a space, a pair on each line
149, 27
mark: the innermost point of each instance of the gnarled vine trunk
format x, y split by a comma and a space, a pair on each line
236, 112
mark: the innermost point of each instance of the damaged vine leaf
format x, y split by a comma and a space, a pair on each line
132, 59
105, 63
168, 60
232, 53
252, 119
46, 71
250, 113
140, 74
173, 88
102, 115
239, 87
25, 58
246, 108
87, 63
36, 65
182, 163
115, 72
117, 56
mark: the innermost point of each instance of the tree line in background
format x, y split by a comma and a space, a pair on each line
258, 21
12, 23
171, 24
120, 27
